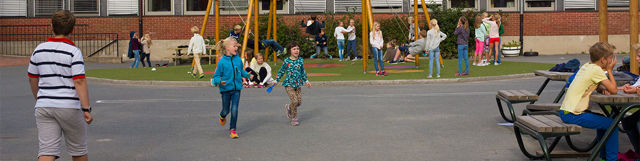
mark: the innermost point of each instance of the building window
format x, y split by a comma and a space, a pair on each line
344, 6
47, 7
159, 5
282, 7
540, 5
122, 7
309, 6
579, 4
437, 3
85, 6
504, 5
197, 5
10, 8
462, 4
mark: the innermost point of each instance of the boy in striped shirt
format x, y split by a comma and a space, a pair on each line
57, 79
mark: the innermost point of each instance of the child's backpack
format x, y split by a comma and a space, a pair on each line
129, 51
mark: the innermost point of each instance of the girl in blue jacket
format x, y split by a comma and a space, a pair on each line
228, 77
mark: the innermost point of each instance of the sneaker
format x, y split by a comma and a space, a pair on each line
193, 75
393, 62
496, 64
330, 57
384, 73
429, 76
458, 74
201, 76
222, 121
378, 73
259, 86
354, 59
233, 134
340, 60
294, 122
474, 64
284, 51
288, 110
438, 76
465, 74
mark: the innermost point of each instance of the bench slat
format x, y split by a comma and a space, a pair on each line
521, 96
508, 95
530, 95
534, 124
555, 126
570, 127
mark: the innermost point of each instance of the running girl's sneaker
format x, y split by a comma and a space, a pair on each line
201, 76
260, 86
378, 73
287, 110
294, 122
222, 121
233, 134
384, 73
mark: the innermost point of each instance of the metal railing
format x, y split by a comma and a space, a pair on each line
21, 40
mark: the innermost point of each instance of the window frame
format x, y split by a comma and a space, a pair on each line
284, 10
72, 9
420, 6
552, 8
495, 9
147, 11
477, 5
35, 11
25, 11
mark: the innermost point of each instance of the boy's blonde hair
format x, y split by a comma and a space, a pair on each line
222, 44
237, 27
601, 50
195, 29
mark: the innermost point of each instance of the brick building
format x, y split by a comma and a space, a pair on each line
550, 26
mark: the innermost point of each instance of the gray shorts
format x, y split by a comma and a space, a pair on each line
54, 124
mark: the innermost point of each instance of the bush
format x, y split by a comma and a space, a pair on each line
448, 20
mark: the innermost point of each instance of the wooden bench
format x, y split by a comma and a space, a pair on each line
541, 127
511, 97
176, 58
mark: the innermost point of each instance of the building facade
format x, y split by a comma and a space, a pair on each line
571, 23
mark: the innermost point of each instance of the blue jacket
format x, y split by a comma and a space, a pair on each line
229, 69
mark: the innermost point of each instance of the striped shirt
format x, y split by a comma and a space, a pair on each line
57, 63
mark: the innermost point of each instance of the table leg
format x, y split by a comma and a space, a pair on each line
544, 85
559, 96
607, 134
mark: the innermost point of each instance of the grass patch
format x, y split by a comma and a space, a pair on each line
352, 70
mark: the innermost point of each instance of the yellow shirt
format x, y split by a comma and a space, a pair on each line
576, 99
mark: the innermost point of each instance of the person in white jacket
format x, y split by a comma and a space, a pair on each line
376, 41
434, 37
263, 75
196, 47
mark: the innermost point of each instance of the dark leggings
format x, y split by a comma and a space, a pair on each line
144, 56
630, 124
257, 77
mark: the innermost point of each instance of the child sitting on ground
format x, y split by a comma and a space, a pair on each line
247, 61
414, 48
392, 54
261, 72
576, 100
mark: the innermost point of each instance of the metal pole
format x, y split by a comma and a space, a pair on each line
275, 27
256, 41
140, 17
365, 36
217, 13
416, 27
604, 31
246, 31
521, 27
206, 18
269, 27
633, 34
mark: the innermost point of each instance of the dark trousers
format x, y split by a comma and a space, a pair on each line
259, 76
144, 56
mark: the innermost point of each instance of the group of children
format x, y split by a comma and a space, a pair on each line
487, 33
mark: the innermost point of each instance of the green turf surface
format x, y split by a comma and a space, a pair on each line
351, 71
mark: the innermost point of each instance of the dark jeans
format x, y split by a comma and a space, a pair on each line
351, 44
259, 76
600, 124
271, 43
630, 124
144, 56
230, 100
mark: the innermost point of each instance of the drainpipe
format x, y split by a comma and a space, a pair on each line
521, 26
140, 6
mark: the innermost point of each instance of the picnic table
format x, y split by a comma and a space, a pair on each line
178, 55
620, 104
553, 76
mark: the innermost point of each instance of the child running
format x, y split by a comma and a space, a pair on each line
376, 41
293, 66
434, 37
481, 32
462, 32
576, 100
228, 79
